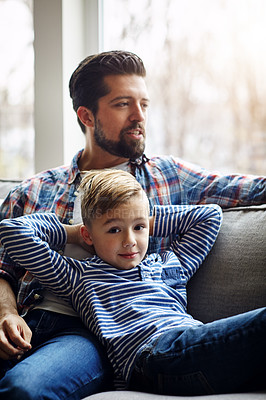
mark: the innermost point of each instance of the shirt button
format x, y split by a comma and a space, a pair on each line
36, 296
71, 221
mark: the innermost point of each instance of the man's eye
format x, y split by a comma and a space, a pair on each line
122, 104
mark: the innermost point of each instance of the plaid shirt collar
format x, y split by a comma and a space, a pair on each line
75, 172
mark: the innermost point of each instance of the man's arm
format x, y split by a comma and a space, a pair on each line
175, 181
204, 187
15, 335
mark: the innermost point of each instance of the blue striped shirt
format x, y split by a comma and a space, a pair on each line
124, 309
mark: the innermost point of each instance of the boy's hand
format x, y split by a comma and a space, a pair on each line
74, 236
15, 337
151, 223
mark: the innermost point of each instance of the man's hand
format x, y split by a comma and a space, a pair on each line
15, 337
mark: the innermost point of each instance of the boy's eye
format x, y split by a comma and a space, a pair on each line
139, 227
113, 230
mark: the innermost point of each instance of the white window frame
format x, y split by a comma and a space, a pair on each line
65, 32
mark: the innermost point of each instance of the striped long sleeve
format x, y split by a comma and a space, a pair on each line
192, 231
31, 242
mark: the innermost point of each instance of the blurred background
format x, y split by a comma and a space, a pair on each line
205, 62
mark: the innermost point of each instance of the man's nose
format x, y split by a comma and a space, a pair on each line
138, 114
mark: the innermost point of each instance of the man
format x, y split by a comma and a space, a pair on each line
48, 353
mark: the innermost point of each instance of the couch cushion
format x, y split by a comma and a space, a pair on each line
124, 395
232, 279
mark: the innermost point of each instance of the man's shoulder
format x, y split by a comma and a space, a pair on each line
50, 176
62, 174
169, 163
163, 163
156, 160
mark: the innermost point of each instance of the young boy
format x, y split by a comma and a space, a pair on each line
136, 303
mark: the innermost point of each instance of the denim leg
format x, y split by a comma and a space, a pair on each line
66, 362
223, 356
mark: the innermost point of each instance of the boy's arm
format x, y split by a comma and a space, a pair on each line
12, 207
31, 235
193, 231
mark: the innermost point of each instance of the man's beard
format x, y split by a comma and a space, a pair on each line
125, 148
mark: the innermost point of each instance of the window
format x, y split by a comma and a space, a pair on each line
16, 89
205, 63
206, 76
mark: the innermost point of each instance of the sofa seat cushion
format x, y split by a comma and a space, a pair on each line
124, 395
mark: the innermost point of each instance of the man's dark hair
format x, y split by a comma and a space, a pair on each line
87, 85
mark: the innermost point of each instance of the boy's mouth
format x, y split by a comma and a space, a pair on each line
128, 256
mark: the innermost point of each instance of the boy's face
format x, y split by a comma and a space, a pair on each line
120, 236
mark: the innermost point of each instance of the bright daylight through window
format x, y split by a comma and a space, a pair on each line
16, 89
206, 76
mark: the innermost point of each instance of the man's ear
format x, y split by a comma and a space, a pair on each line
86, 116
86, 235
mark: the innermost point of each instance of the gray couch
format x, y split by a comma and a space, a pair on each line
231, 280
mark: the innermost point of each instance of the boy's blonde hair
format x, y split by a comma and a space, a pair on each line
105, 189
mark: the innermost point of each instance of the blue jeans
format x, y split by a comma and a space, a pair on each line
224, 356
66, 362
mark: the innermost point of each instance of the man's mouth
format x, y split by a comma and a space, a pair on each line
136, 133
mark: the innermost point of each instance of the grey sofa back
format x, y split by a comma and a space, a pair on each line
232, 279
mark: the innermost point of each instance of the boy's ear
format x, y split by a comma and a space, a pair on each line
86, 116
86, 235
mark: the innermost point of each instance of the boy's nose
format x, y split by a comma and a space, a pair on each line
129, 240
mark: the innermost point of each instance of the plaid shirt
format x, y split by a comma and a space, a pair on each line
166, 180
